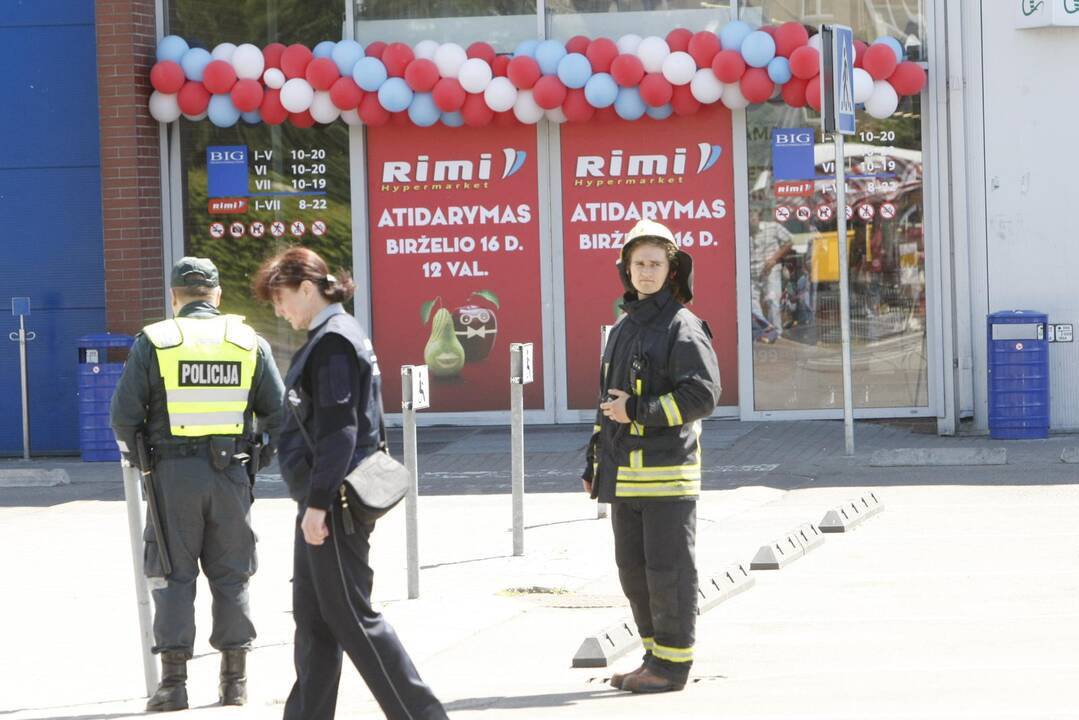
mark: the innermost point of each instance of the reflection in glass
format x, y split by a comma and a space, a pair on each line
502, 23
614, 18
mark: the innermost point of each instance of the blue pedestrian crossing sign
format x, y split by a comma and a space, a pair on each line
837, 76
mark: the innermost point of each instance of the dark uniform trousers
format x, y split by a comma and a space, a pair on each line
331, 600
207, 518
654, 550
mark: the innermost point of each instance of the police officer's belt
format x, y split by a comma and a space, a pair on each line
200, 447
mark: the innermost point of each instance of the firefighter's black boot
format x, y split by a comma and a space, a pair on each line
171, 694
233, 687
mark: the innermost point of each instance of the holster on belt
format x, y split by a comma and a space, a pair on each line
221, 451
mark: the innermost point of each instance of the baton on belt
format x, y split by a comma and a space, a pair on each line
153, 509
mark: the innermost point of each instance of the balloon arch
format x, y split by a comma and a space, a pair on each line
580, 80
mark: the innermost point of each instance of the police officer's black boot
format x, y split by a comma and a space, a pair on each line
171, 694
233, 687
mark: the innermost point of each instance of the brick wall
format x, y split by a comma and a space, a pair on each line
130, 165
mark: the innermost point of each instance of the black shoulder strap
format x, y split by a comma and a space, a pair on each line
382, 444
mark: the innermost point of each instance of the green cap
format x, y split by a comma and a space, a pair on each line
194, 272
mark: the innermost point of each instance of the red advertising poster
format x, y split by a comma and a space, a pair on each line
455, 260
678, 172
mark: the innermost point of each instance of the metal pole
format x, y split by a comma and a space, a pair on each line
844, 292
25, 390
412, 542
517, 452
602, 507
132, 495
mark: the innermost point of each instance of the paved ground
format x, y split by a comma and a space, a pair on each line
957, 601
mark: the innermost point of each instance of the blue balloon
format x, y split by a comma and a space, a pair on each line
422, 110
194, 62
660, 113
222, 112
548, 54
251, 118
171, 47
527, 48
629, 105
369, 73
601, 90
453, 119
891, 42
345, 55
758, 49
733, 33
395, 95
779, 70
324, 49
574, 70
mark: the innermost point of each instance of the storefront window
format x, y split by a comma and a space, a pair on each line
502, 23
614, 18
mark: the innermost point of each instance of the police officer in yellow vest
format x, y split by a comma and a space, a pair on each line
199, 387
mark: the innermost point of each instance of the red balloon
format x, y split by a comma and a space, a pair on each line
606, 115
346, 94
789, 37
271, 54
167, 76
401, 119
656, 90
523, 72
577, 44
219, 77
322, 73
481, 50
505, 119
683, 102
301, 119
601, 53
728, 66
805, 63
421, 75
627, 70
756, 85
549, 92
859, 52
500, 66
271, 109
396, 58
247, 95
794, 92
193, 98
768, 30
475, 111
294, 61
908, 78
375, 50
879, 61
448, 95
703, 47
813, 98
576, 107
678, 39
371, 111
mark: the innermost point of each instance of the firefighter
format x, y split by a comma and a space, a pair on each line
658, 379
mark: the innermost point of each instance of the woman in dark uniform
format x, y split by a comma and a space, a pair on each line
332, 420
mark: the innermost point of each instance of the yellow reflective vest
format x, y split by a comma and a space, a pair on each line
208, 367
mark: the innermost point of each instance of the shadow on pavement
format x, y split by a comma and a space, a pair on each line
551, 700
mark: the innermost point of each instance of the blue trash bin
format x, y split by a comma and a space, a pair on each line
1018, 375
97, 381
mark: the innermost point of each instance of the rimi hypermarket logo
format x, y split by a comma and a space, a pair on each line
423, 173
619, 168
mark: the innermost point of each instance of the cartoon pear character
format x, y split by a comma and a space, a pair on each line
443, 353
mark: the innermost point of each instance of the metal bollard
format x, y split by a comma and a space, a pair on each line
415, 395
20, 306
133, 497
520, 375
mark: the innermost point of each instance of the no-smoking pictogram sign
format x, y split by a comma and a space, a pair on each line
824, 212
803, 213
277, 228
217, 230
237, 229
297, 228
318, 228
850, 212
887, 211
783, 213
257, 229
866, 211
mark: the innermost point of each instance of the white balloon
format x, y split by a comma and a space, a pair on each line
815, 42
425, 49
526, 109
351, 117
679, 68
273, 78
863, 85
500, 95
706, 87
652, 51
556, 115
627, 44
884, 100
248, 62
224, 51
475, 75
733, 97
322, 108
449, 58
163, 107
197, 118
297, 95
